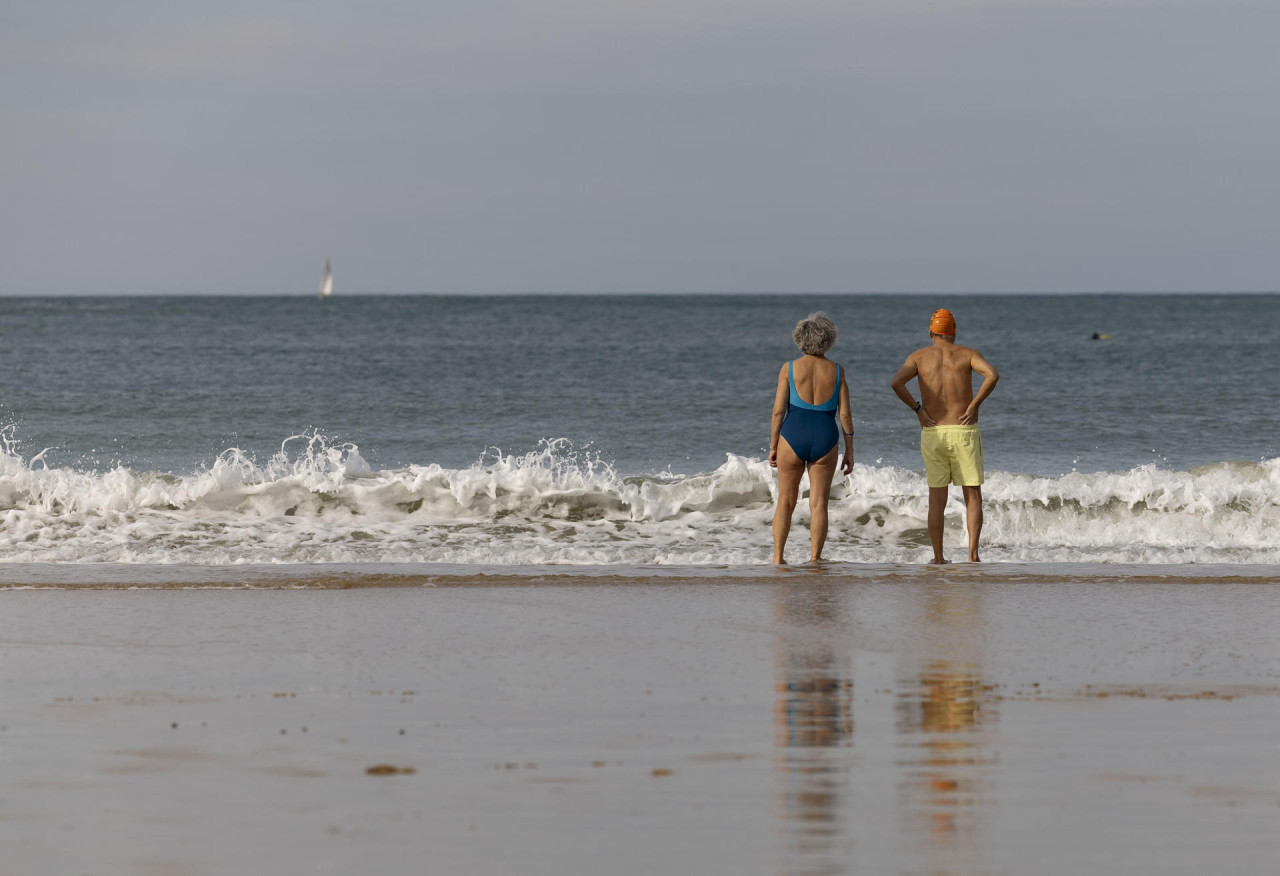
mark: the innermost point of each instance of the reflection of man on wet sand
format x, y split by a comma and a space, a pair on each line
948, 411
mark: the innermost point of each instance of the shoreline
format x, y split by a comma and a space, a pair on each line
348, 576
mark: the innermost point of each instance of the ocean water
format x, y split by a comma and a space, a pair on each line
615, 430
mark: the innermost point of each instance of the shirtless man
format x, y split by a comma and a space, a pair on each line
948, 411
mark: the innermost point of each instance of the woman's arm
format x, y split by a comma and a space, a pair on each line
780, 399
846, 426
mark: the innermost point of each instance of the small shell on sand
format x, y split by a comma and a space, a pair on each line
386, 769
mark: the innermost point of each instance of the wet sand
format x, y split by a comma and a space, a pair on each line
847, 720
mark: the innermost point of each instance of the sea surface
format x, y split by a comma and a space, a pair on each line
615, 431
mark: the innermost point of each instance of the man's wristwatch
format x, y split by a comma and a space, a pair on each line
918, 405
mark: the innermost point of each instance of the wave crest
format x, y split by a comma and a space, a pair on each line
319, 501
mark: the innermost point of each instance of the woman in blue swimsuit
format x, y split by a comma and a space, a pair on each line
806, 434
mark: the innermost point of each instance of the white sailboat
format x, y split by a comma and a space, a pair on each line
326, 281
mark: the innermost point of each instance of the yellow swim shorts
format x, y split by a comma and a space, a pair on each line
952, 455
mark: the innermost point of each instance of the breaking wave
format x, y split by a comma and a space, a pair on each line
319, 502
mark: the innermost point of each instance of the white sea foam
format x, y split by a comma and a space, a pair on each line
317, 502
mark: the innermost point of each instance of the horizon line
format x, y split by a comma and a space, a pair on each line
640, 293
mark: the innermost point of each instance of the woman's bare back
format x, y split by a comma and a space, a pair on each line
815, 378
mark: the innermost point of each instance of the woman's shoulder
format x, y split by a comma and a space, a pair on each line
815, 360
834, 368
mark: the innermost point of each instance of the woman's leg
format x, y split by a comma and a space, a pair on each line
821, 473
790, 470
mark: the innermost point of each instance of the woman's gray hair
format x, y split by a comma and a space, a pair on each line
815, 334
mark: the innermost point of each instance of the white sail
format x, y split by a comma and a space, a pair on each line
326, 282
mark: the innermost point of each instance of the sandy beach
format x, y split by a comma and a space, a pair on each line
844, 720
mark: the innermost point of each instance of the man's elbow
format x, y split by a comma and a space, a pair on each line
897, 384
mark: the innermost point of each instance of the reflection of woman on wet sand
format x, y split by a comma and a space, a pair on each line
813, 722
812, 393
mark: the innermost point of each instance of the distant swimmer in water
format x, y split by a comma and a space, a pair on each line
812, 395
948, 412
1098, 337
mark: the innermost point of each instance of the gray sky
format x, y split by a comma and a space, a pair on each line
653, 145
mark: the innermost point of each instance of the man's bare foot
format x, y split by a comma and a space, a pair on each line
779, 561
973, 558
816, 560
939, 561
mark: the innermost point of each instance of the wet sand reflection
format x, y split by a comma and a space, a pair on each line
813, 727
944, 719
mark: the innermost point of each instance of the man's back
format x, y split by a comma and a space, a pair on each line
945, 374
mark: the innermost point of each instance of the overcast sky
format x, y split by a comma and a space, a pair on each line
651, 145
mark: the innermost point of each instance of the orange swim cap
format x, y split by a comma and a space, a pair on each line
942, 322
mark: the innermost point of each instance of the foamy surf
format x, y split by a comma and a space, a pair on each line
319, 502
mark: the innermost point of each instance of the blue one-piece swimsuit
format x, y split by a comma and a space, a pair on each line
811, 430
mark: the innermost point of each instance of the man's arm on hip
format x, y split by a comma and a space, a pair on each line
989, 378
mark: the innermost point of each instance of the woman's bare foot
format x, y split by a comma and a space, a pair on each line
973, 558
939, 561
